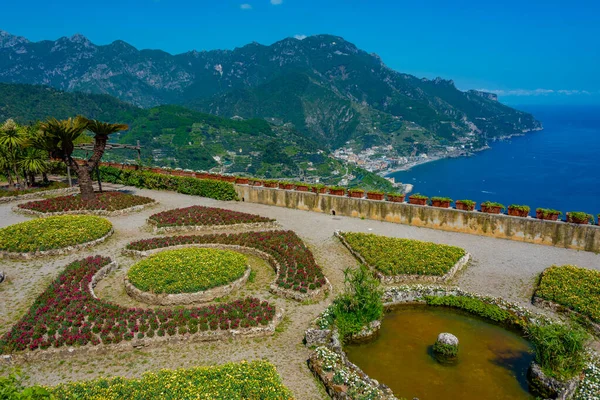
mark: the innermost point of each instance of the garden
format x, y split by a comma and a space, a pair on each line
187, 270
101, 202
34, 189
52, 233
396, 256
204, 216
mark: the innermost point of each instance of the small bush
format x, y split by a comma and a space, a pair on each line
474, 306
446, 350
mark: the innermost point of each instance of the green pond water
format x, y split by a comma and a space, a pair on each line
492, 361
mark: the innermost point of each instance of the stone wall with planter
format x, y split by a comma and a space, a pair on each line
553, 233
386, 279
174, 299
208, 228
41, 193
315, 294
55, 252
103, 213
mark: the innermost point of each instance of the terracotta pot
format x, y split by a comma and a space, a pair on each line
286, 186
462, 206
156, 170
257, 183
548, 217
440, 203
357, 195
574, 220
241, 181
374, 196
491, 210
319, 190
229, 178
517, 213
337, 192
419, 202
302, 188
271, 184
397, 199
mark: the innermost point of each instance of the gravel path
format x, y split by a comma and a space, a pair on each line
500, 268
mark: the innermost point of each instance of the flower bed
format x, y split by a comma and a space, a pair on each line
395, 257
68, 314
20, 192
572, 287
106, 202
204, 216
187, 270
51, 233
236, 381
297, 271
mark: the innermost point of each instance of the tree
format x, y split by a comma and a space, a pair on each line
60, 137
12, 142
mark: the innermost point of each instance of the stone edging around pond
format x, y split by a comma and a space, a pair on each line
41, 193
414, 294
209, 228
175, 299
558, 308
55, 252
387, 279
102, 213
286, 293
201, 336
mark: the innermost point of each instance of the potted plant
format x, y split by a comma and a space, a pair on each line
319, 188
337, 190
356, 193
228, 178
418, 199
491, 207
443, 202
547, 214
465, 205
286, 185
302, 187
257, 182
579, 217
240, 180
271, 184
374, 195
518, 211
396, 197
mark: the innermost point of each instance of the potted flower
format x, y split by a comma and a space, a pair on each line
547, 214
337, 190
418, 199
465, 205
356, 193
240, 180
319, 188
302, 187
579, 217
374, 195
443, 202
396, 197
518, 211
491, 207
271, 184
286, 185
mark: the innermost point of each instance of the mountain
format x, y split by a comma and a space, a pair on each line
173, 136
325, 87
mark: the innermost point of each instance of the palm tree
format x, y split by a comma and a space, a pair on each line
34, 162
12, 140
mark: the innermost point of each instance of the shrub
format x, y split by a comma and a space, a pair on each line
107, 201
52, 233
142, 179
447, 350
360, 304
559, 349
204, 216
581, 216
546, 212
11, 388
519, 207
492, 204
244, 380
572, 287
468, 203
418, 196
474, 306
442, 199
187, 270
394, 256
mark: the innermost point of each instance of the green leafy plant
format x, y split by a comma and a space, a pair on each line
337, 188
355, 190
446, 350
519, 207
395, 194
11, 388
442, 199
41, 188
580, 216
474, 306
492, 204
375, 192
418, 196
468, 203
546, 212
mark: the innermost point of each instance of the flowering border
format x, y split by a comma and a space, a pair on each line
209, 228
41, 193
102, 213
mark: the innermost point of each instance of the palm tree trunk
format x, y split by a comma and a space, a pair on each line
85, 183
45, 177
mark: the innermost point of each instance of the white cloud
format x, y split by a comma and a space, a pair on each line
300, 37
276, 2
246, 6
535, 92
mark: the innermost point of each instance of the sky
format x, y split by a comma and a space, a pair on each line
526, 51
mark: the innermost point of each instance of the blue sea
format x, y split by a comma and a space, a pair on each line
558, 167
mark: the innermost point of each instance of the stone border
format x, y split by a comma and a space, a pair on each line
548, 386
102, 213
187, 228
55, 252
387, 279
560, 309
175, 299
200, 336
286, 293
40, 193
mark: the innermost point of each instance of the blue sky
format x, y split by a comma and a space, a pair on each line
526, 50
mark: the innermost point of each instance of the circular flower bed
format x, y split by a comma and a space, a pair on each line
103, 202
51, 233
204, 216
187, 270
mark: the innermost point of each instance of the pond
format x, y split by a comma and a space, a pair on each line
492, 361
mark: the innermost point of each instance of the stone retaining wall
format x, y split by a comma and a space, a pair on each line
174, 299
531, 230
387, 279
41, 193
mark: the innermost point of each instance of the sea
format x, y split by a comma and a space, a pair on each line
557, 167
